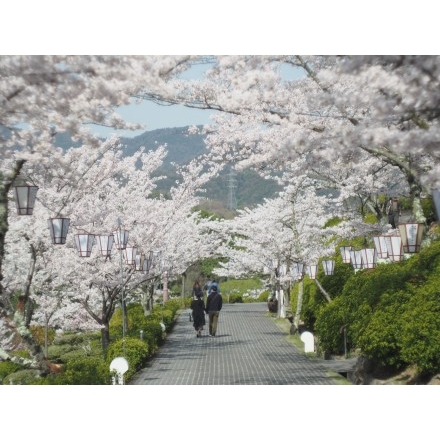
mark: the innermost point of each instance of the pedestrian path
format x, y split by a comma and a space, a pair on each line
249, 349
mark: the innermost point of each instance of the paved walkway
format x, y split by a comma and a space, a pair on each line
249, 349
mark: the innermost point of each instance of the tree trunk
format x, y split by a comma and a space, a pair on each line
105, 337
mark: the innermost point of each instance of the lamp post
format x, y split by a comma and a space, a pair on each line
277, 285
165, 269
121, 240
436, 200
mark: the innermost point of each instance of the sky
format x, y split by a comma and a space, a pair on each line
155, 116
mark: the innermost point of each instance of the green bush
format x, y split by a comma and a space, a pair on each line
264, 296
391, 313
235, 298
6, 368
22, 377
420, 329
93, 370
38, 333
133, 350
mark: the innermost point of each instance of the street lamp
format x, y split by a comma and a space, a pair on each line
139, 262
105, 244
394, 247
148, 262
84, 243
58, 228
369, 258
345, 253
381, 247
328, 266
411, 235
121, 240
356, 259
311, 271
130, 255
25, 196
164, 269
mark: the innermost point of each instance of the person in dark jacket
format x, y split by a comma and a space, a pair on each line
212, 284
198, 310
213, 306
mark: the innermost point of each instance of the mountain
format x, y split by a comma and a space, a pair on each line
229, 191
238, 190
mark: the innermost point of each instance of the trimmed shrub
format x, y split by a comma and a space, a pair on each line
235, 298
6, 368
133, 350
80, 371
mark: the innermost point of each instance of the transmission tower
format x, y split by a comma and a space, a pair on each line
232, 185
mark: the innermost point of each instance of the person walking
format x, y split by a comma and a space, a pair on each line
394, 212
198, 309
213, 284
214, 304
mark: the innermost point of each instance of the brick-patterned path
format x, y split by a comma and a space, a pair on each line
249, 349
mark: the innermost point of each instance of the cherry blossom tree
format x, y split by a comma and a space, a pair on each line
94, 192
43, 96
379, 105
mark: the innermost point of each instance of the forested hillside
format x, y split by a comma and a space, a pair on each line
249, 188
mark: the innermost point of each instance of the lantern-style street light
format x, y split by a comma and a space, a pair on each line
84, 243
356, 259
369, 258
381, 247
328, 266
105, 244
148, 262
411, 235
311, 271
58, 228
130, 255
139, 262
25, 196
345, 253
394, 247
